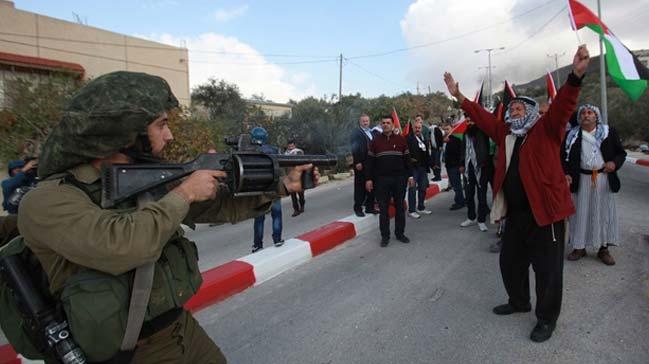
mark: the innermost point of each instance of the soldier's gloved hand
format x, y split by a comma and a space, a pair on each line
200, 186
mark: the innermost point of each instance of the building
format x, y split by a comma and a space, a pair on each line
272, 109
34, 44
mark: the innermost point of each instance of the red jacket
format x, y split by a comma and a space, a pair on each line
539, 160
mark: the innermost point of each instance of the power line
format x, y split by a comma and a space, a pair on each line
163, 48
96, 56
425, 45
266, 64
533, 34
373, 74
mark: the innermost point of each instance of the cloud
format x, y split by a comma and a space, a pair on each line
217, 56
528, 39
223, 15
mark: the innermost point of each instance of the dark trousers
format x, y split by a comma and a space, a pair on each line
455, 180
436, 163
419, 190
386, 188
297, 198
527, 243
276, 214
361, 196
481, 186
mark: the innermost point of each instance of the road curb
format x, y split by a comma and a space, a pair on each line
236, 276
638, 161
272, 261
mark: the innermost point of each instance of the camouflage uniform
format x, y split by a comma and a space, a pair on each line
69, 232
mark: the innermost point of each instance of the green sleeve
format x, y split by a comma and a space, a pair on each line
228, 209
61, 218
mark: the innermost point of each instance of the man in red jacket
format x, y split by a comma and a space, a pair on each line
530, 190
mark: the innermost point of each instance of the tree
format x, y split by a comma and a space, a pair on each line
227, 110
192, 136
35, 108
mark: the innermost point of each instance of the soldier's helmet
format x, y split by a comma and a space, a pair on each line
103, 117
259, 134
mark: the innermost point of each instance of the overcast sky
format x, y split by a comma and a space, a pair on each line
288, 49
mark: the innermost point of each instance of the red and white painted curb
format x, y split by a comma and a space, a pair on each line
639, 161
238, 275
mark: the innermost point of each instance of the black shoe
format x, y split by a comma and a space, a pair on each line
359, 213
404, 239
279, 243
384, 242
295, 213
256, 248
373, 212
508, 309
456, 207
542, 331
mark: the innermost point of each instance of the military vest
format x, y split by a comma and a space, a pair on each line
96, 303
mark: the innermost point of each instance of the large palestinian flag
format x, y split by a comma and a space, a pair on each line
623, 67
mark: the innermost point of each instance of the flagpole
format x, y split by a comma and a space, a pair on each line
602, 71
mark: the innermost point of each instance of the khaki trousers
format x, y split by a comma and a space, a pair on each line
183, 342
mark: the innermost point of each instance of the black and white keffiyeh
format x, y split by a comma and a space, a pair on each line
520, 126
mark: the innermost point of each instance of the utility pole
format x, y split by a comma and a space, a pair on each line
417, 87
429, 90
602, 71
340, 82
556, 67
489, 87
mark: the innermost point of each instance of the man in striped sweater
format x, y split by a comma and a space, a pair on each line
389, 171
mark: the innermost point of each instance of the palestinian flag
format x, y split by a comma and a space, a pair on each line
508, 95
624, 68
552, 90
478, 95
459, 129
395, 119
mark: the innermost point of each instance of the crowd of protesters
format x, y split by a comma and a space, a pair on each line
547, 164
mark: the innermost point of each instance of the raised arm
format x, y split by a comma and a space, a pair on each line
566, 101
486, 121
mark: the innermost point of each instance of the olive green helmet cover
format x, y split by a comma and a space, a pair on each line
103, 117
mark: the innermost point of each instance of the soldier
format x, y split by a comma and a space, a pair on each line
86, 250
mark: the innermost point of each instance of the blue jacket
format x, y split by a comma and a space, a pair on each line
269, 149
14, 182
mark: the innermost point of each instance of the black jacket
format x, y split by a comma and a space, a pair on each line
360, 142
454, 154
480, 143
612, 151
419, 158
439, 138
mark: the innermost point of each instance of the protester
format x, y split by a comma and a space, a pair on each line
437, 144
592, 155
454, 162
297, 198
360, 140
419, 155
389, 170
22, 178
260, 135
531, 190
478, 166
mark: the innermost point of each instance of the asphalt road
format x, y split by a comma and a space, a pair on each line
430, 301
223, 243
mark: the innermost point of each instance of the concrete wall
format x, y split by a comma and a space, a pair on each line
98, 51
